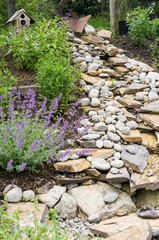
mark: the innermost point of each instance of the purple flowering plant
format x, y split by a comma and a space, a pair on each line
28, 135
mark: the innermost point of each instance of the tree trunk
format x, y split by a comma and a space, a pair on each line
112, 15
11, 8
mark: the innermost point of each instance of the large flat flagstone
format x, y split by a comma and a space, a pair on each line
149, 140
89, 79
136, 87
152, 107
103, 153
72, 166
129, 102
117, 61
121, 70
151, 119
124, 176
137, 161
133, 136
90, 200
28, 207
146, 180
116, 225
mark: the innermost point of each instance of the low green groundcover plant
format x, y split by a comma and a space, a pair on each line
28, 135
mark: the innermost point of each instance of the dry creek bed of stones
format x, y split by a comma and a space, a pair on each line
115, 170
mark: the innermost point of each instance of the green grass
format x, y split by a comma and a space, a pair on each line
96, 22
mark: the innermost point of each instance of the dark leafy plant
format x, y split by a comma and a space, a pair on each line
140, 25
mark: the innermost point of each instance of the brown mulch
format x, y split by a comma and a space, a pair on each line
46, 173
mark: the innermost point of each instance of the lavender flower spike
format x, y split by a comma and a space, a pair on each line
23, 166
19, 145
9, 165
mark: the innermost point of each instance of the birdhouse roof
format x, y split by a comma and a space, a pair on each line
17, 14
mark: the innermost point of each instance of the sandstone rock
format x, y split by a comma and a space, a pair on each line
90, 79
90, 200
117, 61
92, 172
25, 208
106, 34
133, 136
142, 231
146, 180
157, 137
136, 87
132, 125
93, 67
71, 180
124, 176
115, 225
144, 127
150, 119
73, 166
111, 72
52, 196
129, 115
129, 102
152, 107
149, 140
67, 207
121, 70
137, 162
88, 144
91, 39
103, 153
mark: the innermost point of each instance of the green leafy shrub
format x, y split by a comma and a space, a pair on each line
155, 23
96, 22
28, 137
140, 25
55, 75
155, 47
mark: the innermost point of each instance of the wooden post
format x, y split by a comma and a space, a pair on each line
112, 15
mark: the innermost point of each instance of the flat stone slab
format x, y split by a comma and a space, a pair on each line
146, 180
149, 140
116, 225
66, 180
140, 231
152, 107
72, 166
111, 72
133, 136
129, 115
137, 161
121, 70
144, 128
117, 61
92, 39
157, 137
90, 200
89, 79
151, 119
129, 102
118, 178
136, 87
106, 34
28, 207
103, 153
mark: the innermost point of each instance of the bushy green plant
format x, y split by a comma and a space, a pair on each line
28, 137
96, 22
155, 23
155, 47
140, 25
55, 75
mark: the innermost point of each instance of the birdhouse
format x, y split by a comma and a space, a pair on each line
20, 19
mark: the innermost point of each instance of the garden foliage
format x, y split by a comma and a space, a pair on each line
28, 135
44, 49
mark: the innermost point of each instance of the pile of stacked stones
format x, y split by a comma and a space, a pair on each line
115, 169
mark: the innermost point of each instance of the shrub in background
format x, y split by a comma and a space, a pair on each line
140, 25
29, 137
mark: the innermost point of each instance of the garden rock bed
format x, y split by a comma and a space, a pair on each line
114, 157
